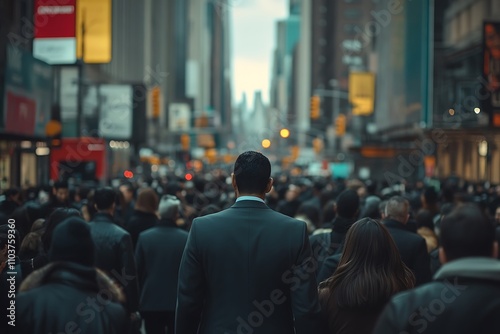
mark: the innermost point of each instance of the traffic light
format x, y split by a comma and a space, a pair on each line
317, 145
315, 106
185, 142
340, 124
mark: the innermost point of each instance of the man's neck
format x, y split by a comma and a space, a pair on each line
261, 196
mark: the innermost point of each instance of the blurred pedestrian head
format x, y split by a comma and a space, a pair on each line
32, 242
72, 242
104, 199
397, 208
127, 189
252, 173
147, 200
329, 212
56, 218
208, 210
497, 215
60, 191
467, 232
169, 207
348, 204
424, 218
310, 215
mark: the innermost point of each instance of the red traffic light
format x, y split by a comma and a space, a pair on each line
189, 176
128, 174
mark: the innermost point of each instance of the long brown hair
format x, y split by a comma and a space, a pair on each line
370, 270
147, 201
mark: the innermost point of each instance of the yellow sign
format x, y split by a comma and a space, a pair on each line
93, 22
315, 106
340, 125
155, 99
362, 93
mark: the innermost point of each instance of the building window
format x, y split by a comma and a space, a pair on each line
350, 28
352, 13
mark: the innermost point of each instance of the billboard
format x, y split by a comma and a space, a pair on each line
94, 45
28, 93
491, 70
55, 31
362, 93
116, 104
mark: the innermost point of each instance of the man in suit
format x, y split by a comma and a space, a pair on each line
158, 255
464, 296
247, 269
113, 247
412, 247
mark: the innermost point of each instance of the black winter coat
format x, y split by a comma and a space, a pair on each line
55, 299
115, 256
139, 222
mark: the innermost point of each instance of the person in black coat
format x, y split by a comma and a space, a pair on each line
144, 215
247, 269
69, 294
113, 247
464, 296
158, 255
412, 247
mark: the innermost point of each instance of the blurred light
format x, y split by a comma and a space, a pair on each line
25, 144
477, 110
154, 168
128, 174
126, 144
171, 163
483, 148
42, 151
266, 143
451, 112
112, 144
188, 177
285, 133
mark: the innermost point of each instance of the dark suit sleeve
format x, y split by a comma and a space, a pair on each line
304, 290
129, 274
328, 268
422, 264
191, 288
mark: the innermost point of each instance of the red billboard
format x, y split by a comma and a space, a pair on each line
491, 70
21, 114
55, 31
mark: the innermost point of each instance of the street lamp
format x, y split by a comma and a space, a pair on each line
266, 143
284, 133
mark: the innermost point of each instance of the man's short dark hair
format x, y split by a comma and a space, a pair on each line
104, 198
61, 185
252, 171
467, 232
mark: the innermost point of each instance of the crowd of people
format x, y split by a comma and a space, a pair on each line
241, 252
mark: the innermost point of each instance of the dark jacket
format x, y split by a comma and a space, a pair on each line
329, 266
114, 255
336, 320
55, 299
413, 250
463, 298
138, 222
158, 255
247, 270
328, 242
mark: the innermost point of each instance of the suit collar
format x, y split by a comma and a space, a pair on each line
249, 204
394, 224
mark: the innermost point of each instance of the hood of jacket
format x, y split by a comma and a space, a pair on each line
482, 268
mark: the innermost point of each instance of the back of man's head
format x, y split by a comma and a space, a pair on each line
348, 204
252, 171
397, 208
104, 198
466, 232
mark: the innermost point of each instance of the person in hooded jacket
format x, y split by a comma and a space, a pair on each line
70, 294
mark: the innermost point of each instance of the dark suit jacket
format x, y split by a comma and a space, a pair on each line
413, 250
247, 269
114, 255
139, 221
158, 255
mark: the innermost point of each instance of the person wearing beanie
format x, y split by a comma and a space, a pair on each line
158, 256
69, 293
328, 242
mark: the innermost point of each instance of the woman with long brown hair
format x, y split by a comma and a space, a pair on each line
370, 271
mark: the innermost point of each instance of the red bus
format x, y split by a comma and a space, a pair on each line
83, 159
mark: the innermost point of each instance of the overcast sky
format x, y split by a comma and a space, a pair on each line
253, 35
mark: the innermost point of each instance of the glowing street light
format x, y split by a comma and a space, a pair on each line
477, 110
284, 133
266, 143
